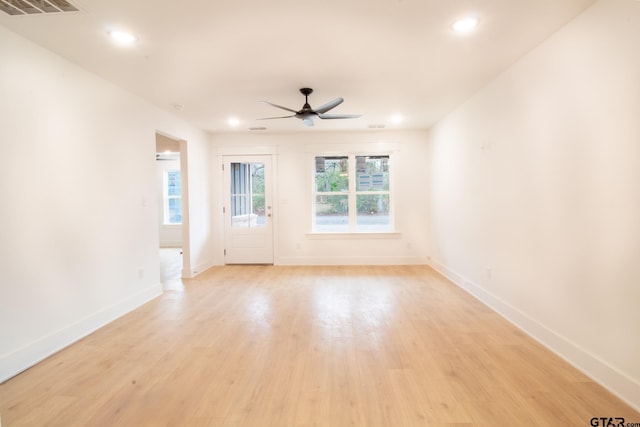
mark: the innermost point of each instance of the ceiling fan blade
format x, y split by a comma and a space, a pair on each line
279, 106
339, 116
281, 117
329, 105
308, 121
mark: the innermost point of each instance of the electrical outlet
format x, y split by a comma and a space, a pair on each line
489, 272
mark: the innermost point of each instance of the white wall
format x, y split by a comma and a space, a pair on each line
196, 193
79, 230
537, 178
294, 170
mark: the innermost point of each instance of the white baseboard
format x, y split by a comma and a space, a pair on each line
618, 383
12, 364
354, 260
203, 266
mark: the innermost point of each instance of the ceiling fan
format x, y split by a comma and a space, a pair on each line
307, 114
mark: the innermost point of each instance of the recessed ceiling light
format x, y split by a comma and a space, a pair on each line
122, 37
465, 25
397, 119
233, 122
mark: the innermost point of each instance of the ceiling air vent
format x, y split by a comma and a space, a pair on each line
31, 7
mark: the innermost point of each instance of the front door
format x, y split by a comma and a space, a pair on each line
248, 213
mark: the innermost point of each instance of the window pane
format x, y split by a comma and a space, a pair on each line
257, 190
172, 198
242, 214
257, 178
332, 174
332, 213
239, 204
239, 178
257, 201
174, 183
247, 195
373, 212
175, 210
372, 173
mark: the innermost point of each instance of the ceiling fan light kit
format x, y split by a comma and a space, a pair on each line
308, 114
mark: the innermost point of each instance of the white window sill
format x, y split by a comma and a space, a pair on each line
319, 235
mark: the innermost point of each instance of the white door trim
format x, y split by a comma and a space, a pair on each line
248, 226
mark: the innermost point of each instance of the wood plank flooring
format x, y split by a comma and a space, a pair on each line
308, 346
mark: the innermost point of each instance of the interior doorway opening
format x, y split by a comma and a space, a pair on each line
172, 215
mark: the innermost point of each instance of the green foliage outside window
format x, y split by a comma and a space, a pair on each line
257, 188
334, 176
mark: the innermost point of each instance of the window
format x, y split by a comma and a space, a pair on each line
172, 197
247, 195
352, 194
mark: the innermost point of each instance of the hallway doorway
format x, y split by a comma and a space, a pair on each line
172, 215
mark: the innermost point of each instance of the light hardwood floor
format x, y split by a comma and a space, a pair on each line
308, 346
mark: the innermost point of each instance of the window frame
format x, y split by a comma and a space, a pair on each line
352, 193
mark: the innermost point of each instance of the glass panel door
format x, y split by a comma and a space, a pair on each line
248, 212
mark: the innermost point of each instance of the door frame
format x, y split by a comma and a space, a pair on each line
235, 157
184, 177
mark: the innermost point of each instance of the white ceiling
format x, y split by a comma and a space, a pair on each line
218, 59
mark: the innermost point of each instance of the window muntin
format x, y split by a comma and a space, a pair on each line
352, 194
